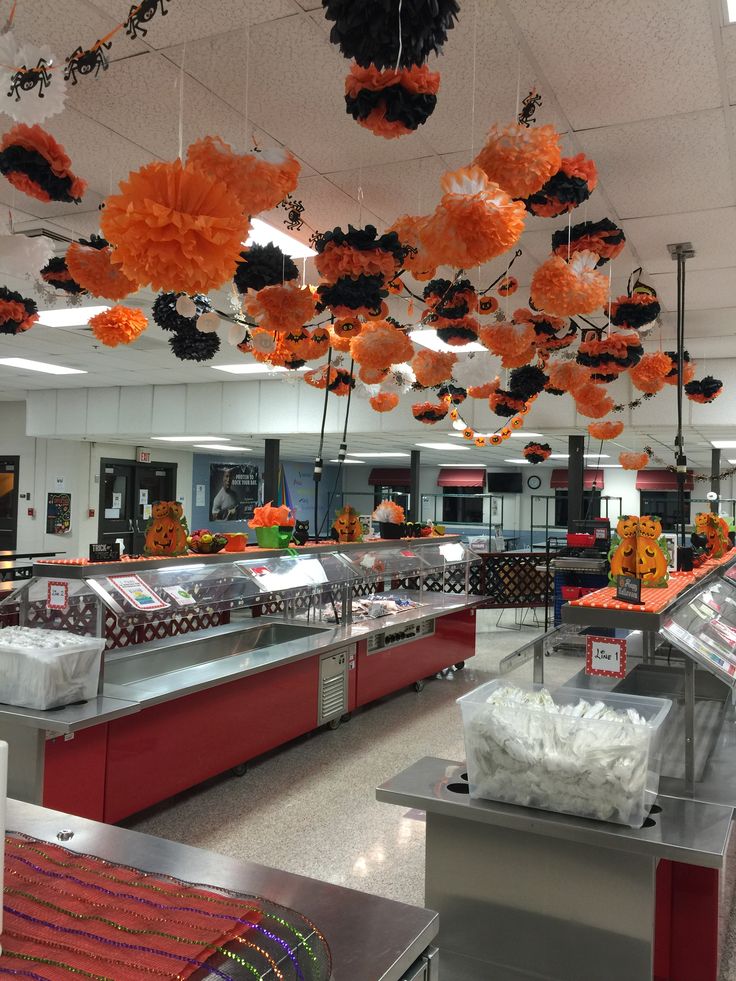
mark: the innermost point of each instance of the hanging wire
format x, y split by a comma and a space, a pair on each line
472, 96
518, 79
247, 83
181, 102
401, 41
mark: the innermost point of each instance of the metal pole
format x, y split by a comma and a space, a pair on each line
414, 499
575, 481
680, 252
271, 471
715, 479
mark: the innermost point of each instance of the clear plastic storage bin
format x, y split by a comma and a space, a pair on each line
522, 749
43, 669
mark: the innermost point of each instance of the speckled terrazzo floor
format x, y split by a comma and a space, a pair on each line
310, 808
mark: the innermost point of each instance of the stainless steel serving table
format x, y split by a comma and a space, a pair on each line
371, 939
523, 893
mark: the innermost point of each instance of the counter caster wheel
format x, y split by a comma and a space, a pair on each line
460, 665
240, 770
334, 724
347, 717
419, 685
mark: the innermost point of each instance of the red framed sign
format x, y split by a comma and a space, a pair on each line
57, 595
605, 656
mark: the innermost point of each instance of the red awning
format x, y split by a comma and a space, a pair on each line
590, 477
461, 477
660, 480
390, 477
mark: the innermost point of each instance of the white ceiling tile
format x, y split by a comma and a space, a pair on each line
713, 234
618, 62
653, 167
704, 288
728, 39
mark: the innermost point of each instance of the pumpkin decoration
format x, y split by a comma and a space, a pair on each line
652, 556
622, 556
166, 531
347, 527
709, 524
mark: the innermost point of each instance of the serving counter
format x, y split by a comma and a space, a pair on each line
211, 661
529, 893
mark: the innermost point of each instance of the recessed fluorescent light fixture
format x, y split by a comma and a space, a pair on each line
429, 338
346, 461
48, 369
612, 466
73, 317
596, 456
252, 368
519, 461
261, 233
377, 455
193, 439
526, 435
732, 461
729, 10
224, 448
443, 446
723, 444
559, 456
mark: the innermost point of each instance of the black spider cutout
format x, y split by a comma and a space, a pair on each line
81, 62
140, 14
529, 108
294, 210
27, 79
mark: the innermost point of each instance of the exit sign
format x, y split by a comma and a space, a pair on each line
142, 455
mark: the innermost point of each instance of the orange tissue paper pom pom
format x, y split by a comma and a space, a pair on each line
510, 341
480, 391
565, 289
520, 159
432, 367
118, 325
633, 461
649, 375
384, 401
336, 261
591, 400
285, 307
93, 269
258, 180
175, 229
605, 430
429, 412
380, 344
475, 221
371, 375
34, 163
565, 376
418, 262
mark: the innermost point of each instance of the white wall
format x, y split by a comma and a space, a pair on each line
77, 462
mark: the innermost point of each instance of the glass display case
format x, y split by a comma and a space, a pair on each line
703, 625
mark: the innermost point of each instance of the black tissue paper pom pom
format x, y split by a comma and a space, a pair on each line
56, 274
264, 265
400, 105
16, 159
190, 344
368, 30
362, 240
8, 323
457, 333
365, 291
705, 390
527, 381
165, 315
455, 393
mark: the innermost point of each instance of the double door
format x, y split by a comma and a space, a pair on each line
9, 502
127, 490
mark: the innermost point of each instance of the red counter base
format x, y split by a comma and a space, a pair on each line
113, 770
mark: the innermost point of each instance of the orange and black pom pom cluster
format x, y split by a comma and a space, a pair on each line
537, 452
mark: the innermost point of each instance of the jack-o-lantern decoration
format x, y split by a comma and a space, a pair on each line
166, 532
715, 530
622, 555
347, 527
652, 556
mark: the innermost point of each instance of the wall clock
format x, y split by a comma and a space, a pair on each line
534, 482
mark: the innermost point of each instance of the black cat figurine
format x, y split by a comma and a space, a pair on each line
300, 535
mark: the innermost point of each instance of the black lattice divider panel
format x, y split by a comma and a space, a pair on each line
513, 580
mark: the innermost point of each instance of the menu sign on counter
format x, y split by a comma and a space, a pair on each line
628, 590
137, 593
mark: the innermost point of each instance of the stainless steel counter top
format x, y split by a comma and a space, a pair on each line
371, 939
125, 699
687, 831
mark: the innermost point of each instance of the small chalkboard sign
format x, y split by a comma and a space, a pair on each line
628, 589
105, 552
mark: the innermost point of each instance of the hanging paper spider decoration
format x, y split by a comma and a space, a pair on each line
603, 237
529, 106
17, 313
142, 13
30, 90
263, 265
573, 183
56, 273
81, 62
391, 103
371, 33
33, 162
537, 452
705, 390
294, 209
